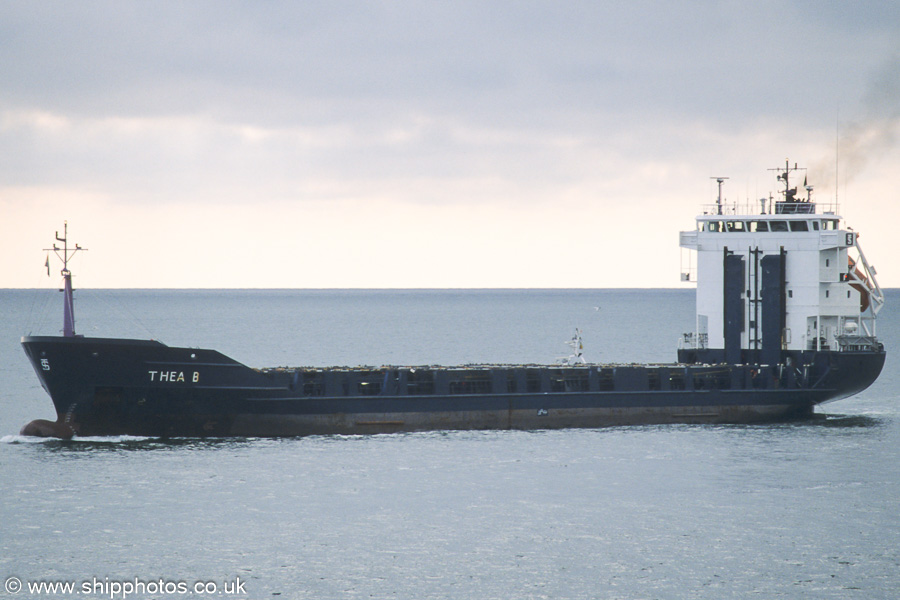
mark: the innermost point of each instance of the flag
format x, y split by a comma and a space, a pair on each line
47, 264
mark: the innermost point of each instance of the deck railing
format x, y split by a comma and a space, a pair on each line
770, 207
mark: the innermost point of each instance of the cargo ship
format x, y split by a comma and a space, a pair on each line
785, 320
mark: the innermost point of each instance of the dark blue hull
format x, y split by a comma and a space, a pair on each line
136, 387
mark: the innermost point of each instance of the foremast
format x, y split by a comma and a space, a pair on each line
65, 254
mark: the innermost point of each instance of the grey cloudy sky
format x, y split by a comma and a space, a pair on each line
441, 136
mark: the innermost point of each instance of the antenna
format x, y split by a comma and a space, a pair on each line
837, 139
784, 175
720, 181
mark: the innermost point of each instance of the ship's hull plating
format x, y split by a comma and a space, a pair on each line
137, 387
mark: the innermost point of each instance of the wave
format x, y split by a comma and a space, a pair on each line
111, 439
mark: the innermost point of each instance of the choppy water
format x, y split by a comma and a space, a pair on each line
800, 510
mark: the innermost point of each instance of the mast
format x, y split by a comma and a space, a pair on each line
784, 175
65, 255
719, 200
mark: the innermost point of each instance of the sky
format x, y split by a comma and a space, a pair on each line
446, 144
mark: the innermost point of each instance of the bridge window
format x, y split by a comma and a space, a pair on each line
799, 226
758, 226
778, 226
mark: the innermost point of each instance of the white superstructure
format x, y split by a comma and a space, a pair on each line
780, 275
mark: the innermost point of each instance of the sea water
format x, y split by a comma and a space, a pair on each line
808, 509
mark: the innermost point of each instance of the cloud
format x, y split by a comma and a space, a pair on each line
406, 108
301, 63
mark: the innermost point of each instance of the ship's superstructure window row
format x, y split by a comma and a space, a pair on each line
767, 226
